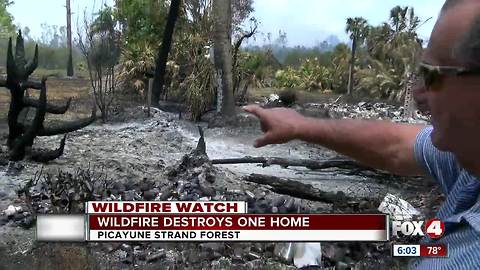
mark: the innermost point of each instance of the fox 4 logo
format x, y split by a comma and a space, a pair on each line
434, 228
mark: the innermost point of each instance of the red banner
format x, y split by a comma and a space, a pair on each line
237, 222
434, 250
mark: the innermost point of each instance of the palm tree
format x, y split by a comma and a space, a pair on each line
376, 39
378, 79
222, 28
392, 56
413, 20
357, 28
405, 46
398, 18
404, 19
393, 50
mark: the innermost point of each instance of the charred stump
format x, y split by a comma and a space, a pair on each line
22, 135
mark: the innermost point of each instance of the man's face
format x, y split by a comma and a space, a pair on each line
419, 93
454, 101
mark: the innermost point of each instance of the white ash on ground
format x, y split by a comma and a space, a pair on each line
134, 156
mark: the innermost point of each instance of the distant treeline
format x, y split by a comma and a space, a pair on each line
294, 56
52, 48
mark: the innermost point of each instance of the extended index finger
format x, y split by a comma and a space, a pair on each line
255, 110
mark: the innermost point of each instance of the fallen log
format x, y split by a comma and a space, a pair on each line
288, 162
352, 167
296, 189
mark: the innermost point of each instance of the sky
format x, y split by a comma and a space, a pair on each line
33, 13
306, 22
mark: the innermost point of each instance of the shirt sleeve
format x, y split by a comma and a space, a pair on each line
441, 166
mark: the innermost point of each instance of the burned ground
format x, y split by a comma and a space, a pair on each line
151, 158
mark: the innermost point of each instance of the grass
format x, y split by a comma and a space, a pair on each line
59, 73
58, 92
59, 89
4, 103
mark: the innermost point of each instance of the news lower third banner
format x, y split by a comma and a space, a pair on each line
205, 221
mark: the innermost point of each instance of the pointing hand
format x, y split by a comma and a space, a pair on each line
279, 125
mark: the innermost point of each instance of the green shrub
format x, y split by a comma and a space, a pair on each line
311, 75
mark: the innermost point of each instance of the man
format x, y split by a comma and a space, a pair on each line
449, 151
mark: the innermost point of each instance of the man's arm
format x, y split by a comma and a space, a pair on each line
378, 144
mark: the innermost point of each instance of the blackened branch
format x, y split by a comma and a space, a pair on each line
31, 85
46, 156
53, 109
67, 127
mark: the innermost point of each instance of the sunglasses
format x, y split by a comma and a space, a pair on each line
433, 74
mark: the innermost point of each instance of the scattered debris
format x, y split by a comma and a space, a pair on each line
398, 208
285, 251
366, 110
272, 98
12, 210
156, 256
307, 254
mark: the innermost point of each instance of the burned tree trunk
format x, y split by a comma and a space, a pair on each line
237, 76
21, 135
222, 29
161, 62
69, 40
351, 68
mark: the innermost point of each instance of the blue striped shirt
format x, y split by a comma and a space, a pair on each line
460, 211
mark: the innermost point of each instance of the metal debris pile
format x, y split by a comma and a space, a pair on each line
362, 110
340, 110
369, 110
